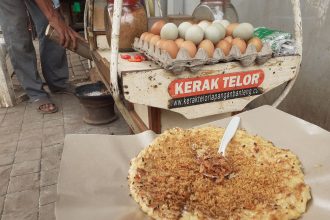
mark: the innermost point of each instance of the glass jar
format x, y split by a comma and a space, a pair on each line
216, 10
133, 23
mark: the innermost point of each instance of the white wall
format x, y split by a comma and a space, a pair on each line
182, 6
175, 7
190, 5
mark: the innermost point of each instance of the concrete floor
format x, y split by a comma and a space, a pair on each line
31, 146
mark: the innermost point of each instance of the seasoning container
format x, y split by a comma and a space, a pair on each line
133, 23
216, 10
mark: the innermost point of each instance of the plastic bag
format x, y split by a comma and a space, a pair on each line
282, 43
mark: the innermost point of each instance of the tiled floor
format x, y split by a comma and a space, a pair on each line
31, 146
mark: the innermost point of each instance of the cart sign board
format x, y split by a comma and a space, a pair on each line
221, 87
214, 89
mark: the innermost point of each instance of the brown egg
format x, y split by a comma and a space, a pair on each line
154, 39
157, 27
229, 39
190, 47
208, 46
225, 46
160, 44
240, 44
231, 28
257, 43
171, 47
148, 37
144, 35
179, 41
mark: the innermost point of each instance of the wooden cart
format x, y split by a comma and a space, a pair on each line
150, 97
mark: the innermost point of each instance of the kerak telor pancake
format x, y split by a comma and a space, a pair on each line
180, 175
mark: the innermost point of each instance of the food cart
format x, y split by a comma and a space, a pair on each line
150, 97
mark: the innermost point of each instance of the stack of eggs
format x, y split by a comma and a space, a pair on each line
207, 35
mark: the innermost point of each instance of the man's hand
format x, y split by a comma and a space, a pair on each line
65, 33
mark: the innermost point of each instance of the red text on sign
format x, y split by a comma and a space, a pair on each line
216, 83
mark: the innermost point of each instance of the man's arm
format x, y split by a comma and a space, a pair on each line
65, 32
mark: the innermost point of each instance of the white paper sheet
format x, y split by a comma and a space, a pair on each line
93, 186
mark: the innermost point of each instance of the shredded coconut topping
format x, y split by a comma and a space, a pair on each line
182, 172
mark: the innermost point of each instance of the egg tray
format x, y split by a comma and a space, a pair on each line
183, 61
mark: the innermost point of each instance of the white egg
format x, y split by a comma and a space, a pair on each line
204, 24
169, 32
244, 31
224, 23
214, 33
183, 27
195, 33
220, 26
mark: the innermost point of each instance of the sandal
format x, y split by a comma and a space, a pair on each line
44, 103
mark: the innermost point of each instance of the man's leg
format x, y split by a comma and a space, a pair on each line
53, 56
13, 20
